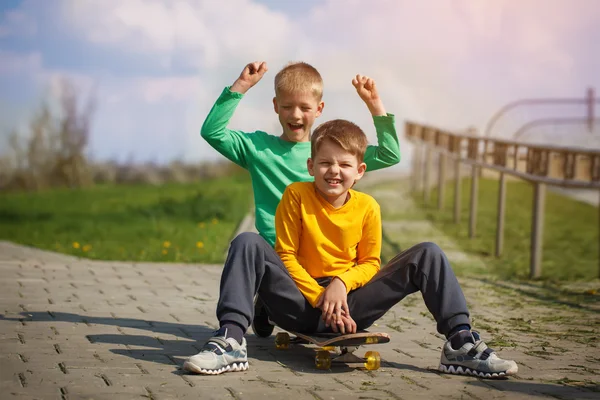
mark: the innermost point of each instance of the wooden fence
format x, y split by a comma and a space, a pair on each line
567, 167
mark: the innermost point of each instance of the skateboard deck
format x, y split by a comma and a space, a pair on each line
350, 339
347, 345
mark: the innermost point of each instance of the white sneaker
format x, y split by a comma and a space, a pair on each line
218, 355
475, 358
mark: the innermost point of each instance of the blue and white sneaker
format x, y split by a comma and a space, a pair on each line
474, 357
219, 354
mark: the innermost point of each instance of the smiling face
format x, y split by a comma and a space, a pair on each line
297, 113
335, 171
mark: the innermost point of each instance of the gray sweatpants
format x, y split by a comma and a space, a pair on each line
253, 266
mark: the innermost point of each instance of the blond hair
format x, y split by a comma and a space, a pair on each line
299, 77
344, 133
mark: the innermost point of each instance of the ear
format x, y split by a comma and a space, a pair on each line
320, 108
275, 106
310, 165
362, 168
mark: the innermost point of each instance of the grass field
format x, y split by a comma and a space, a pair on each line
174, 222
570, 243
195, 222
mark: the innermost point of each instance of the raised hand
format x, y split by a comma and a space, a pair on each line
367, 90
249, 77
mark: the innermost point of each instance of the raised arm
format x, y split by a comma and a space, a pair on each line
387, 152
234, 145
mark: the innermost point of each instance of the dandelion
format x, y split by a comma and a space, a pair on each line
165, 251
166, 244
87, 247
201, 224
76, 245
200, 245
215, 221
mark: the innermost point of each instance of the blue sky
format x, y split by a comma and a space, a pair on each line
156, 66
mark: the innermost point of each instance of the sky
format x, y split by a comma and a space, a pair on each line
155, 67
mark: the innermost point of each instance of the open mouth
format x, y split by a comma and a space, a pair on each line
334, 182
296, 127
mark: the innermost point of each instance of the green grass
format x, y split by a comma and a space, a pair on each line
174, 222
570, 241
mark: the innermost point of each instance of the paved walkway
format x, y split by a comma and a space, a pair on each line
79, 329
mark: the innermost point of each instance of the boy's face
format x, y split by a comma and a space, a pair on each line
297, 113
335, 171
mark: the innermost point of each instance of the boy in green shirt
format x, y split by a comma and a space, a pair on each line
273, 162
276, 161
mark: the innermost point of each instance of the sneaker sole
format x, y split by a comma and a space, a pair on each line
235, 367
460, 370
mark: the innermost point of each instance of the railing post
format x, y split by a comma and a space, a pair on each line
474, 191
428, 168
500, 221
441, 180
422, 172
457, 189
416, 172
537, 229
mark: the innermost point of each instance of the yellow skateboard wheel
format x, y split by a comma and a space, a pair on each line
372, 360
323, 359
282, 341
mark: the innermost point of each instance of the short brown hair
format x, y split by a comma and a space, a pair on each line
299, 77
344, 133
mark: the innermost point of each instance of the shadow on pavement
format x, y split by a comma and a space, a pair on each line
539, 389
299, 359
154, 348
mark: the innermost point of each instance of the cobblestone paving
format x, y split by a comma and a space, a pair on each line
79, 329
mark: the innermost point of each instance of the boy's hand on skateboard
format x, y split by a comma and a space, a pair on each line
249, 77
333, 302
366, 89
344, 325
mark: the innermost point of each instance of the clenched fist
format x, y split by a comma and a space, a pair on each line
366, 89
249, 77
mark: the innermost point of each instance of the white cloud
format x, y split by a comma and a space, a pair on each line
181, 88
448, 63
207, 32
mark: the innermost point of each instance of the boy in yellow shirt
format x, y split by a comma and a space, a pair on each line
329, 239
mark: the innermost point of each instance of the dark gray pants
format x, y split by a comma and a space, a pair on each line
253, 266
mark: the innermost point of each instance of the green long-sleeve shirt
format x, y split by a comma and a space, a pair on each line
274, 163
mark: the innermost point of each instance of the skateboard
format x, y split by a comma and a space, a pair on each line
347, 344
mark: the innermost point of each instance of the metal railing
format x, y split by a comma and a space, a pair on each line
540, 165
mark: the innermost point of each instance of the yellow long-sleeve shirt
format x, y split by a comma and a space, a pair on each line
315, 240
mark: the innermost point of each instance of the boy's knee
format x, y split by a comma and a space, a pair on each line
246, 239
430, 247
